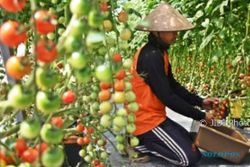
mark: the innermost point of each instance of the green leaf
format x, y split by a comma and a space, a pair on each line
199, 14
206, 41
205, 23
222, 5
236, 60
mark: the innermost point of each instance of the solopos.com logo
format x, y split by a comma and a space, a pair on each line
220, 154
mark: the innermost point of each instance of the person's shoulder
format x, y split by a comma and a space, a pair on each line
149, 52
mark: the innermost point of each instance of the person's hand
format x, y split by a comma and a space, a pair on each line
209, 102
209, 118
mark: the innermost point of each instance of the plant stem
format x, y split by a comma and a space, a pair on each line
9, 132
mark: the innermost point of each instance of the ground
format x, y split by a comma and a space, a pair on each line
119, 161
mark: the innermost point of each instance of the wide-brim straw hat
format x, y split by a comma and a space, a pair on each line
164, 18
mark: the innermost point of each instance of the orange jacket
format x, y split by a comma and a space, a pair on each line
151, 110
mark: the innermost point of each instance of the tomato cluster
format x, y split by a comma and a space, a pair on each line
220, 109
54, 71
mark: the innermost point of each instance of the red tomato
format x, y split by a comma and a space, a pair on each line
90, 130
41, 147
20, 146
120, 74
68, 97
13, 5
30, 155
46, 51
104, 6
44, 22
80, 141
7, 159
100, 165
104, 85
80, 128
12, 34
57, 121
86, 140
117, 57
95, 162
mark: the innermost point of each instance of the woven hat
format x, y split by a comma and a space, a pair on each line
164, 18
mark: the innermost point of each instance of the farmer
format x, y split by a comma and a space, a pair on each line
156, 88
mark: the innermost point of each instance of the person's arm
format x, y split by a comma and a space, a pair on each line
181, 91
152, 64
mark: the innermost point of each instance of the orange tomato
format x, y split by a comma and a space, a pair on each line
104, 95
123, 17
80, 128
17, 67
119, 85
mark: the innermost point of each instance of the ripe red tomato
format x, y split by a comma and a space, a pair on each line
20, 146
13, 5
104, 6
117, 57
68, 97
105, 85
12, 34
86, 140
30, 155
44, 21
6, 158
80, 141
17, 67
46, 51
57, 121
100, 165
41, 147
95, 162
90, 130
80, 128
120, 74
